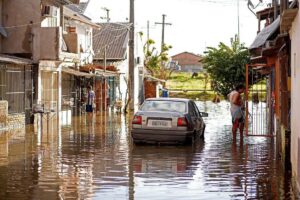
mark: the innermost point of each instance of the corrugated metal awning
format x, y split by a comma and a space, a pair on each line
15, 60
106, 73
76, 73
265, 34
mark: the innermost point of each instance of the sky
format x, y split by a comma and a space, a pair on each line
196, 24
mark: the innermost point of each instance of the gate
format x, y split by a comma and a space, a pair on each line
16, 86
259, 100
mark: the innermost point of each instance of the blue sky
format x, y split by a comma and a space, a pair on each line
195, 23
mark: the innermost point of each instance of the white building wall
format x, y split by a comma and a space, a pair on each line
85, 36
295, 94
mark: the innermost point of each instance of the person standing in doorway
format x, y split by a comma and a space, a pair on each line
237, 110
90, 98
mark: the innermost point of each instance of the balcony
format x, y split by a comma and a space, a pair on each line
50, 44
287, 19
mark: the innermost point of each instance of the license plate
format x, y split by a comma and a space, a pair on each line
159, 123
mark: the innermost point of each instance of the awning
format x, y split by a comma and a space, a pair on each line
265, 34
76, 73
3, 31
287, 19
154, 79
15, 60
106, 73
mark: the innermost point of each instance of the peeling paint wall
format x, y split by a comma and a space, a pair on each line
295, 114
20, 16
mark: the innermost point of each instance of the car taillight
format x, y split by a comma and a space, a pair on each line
137, 120
182, 121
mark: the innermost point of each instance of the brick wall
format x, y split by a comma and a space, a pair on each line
3, 112
150, 89
16, 120
10, 120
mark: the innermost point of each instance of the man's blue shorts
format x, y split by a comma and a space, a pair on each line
89, 108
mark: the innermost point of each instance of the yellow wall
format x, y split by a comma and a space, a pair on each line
295, 97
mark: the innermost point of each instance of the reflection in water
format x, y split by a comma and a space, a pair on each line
95, 159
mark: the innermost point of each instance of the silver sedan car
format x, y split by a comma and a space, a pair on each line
168, 120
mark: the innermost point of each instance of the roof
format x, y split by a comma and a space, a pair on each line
73, 11
15, 60
187, 59
265, 34
83, 6
115, 36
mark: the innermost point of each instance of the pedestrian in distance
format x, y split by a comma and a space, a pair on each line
237, 110
90, 100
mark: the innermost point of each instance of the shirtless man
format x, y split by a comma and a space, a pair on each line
236, 109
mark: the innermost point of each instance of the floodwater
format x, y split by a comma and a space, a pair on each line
95, 159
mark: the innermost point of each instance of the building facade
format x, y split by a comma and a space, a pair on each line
294, 33
57, 38
187, 62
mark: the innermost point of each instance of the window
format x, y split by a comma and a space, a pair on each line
88, 39
196, 110
192, 110
168, 106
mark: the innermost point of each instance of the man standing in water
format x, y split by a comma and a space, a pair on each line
236, 109
90, 98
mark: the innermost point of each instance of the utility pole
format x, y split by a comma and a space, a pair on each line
105, 53
163, 30
238, 18
131, 58
148, 34
107, 15
105, 83
275, 5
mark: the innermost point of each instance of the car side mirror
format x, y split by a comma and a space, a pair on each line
204, 114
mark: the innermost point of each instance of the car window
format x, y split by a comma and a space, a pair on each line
168, 106
196, 110
192, 110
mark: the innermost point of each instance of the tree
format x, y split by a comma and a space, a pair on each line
155, 62
226, 65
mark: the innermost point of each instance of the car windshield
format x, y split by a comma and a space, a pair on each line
168, 106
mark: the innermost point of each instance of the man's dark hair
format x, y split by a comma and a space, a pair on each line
239, 86
89, 87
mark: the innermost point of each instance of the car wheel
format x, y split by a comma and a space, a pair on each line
203, 131
191, 140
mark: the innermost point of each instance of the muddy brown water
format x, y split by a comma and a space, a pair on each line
95, 159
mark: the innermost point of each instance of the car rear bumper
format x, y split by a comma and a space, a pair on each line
160, 136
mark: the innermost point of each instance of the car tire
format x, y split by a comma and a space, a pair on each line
203, 131
191, 140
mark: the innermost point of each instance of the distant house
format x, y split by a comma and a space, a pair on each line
115, 37
187, 62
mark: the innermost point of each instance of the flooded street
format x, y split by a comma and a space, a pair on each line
95, 159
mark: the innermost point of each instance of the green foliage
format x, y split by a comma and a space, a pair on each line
226, 65
154, 61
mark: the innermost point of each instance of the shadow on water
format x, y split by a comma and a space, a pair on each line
94, 158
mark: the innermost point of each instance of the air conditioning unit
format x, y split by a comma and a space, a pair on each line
49, 11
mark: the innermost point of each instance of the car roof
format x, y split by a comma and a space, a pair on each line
169, 99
